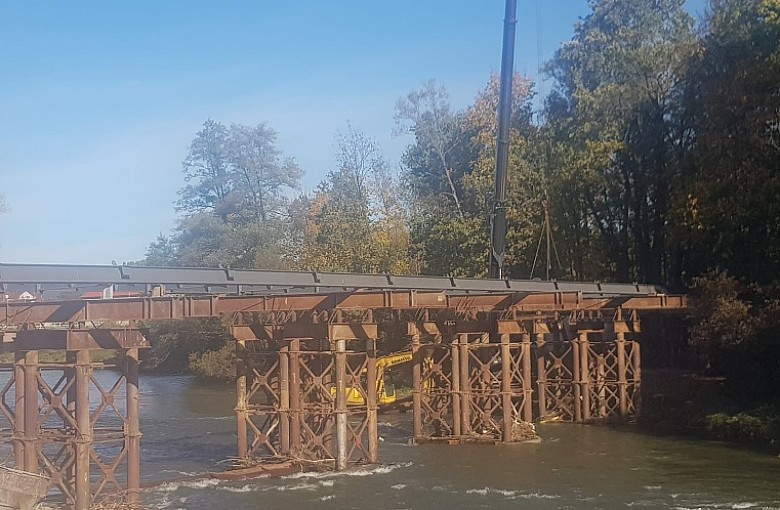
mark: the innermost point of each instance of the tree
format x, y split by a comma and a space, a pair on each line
355, 221
435, 161
448, 171
259, 172
726, 213
162, 252
615, 108
206, 173
234, 205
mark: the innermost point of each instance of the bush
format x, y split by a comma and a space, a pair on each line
219, 364
757, 426
173, 343
736, 327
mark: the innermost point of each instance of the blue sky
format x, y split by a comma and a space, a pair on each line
99, 100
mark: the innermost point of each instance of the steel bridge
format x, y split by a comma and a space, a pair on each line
487, 355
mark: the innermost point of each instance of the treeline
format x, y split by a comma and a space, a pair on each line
656, 156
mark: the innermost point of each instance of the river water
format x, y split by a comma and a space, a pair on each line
188, 428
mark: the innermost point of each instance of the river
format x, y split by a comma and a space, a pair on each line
188, 428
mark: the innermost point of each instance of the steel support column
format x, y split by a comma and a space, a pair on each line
456, 392
133, 426
284, 399
19, 437
541, 375
585, 375
31, 411
371, 401
242, 415
528, 410
637, 366
620, 341
465, 385
506, 389
416, 382
601, 383
83, 492
341, 405
576, 381
296, 403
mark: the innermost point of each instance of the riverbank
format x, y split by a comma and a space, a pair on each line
676, 402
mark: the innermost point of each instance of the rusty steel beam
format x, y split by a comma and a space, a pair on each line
178, 307
73, 340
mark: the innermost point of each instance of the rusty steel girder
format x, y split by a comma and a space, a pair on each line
283, 309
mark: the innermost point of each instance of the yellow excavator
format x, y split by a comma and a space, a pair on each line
385, 392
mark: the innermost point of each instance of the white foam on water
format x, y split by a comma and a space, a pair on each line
538, 495
642, 503
163, 503
653, 487
361, 471
195, 484
511, 494
326, 483
327, 497
240, 490
398, 486
303, 486
743, 505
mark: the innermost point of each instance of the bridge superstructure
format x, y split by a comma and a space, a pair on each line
488, 355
